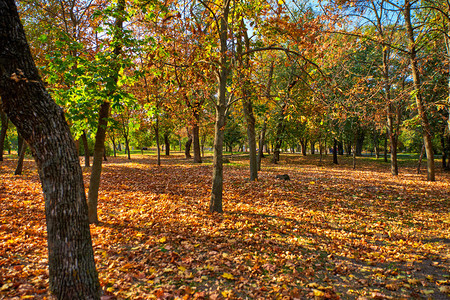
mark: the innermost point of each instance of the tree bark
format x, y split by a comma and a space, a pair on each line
166, 143
158, 147
279, 132
86, 149
221, 107
335, 151
96, 172
3, 132
196, 139
426, 131
41, 123
22, 150
262, 143
187, 145
103, 115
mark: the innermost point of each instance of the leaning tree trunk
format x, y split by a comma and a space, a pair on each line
103, 115
94, 183
3, 132
41, 123
22, 150
426, 131
86, 149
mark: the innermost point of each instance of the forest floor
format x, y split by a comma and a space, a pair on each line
331, 232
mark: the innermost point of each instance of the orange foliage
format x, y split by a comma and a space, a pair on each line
331, 232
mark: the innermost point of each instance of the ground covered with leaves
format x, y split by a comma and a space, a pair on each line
331, 232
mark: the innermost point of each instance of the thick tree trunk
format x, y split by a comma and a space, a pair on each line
426, 130
96, 172
41, 123
166, 143
340, 146
86, 149
313, 150
303, 143
3, 132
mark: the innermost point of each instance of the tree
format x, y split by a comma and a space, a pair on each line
103, 113
426, 131
42, 124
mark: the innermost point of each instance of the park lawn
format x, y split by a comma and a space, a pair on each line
331, 232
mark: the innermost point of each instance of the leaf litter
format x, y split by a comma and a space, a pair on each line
331, 232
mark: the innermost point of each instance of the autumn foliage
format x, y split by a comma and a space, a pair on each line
331, 232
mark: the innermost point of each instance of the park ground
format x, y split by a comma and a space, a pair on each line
331, 232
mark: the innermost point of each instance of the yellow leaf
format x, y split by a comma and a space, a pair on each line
445, 289
318, 293
110, 289
228, 276
181, 268
312, 182
163, 239
427, 292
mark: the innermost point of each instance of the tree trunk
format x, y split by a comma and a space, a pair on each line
313, 150
127, 146
335, 151
22, 150
360, 135
114, 146
187, 146
426, 131
96, 172
86, 149
385, 148
158, 148
41, 123
221, 107
303, 143
419, 163
247, 104
278, 136
3, 132
261, 143
196, 140
340, 146
103, 115
166, 143
251, 135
